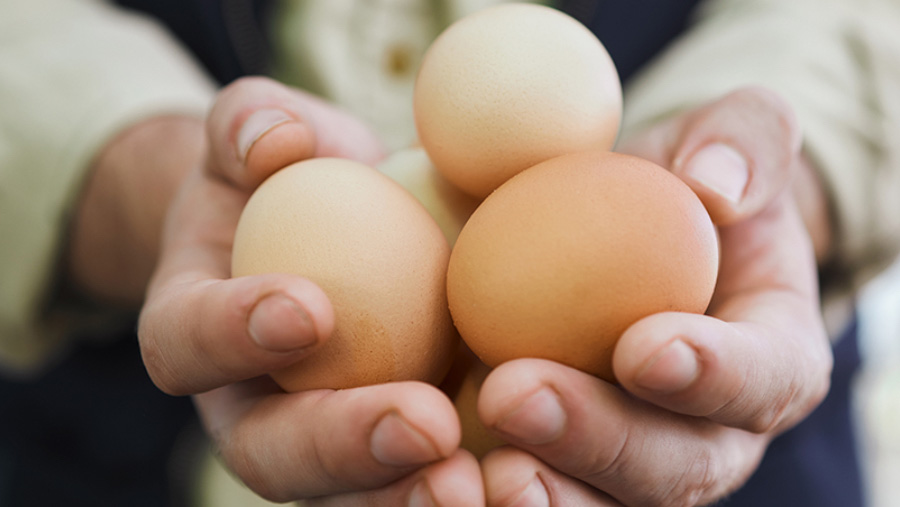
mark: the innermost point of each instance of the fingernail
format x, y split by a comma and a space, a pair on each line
421, 496
720, 168
540, 419
394, 442
671, 370
277, 323
256, 125
534, 495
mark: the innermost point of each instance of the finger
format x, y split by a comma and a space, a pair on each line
514, 478
199, 335
637, 453
315, 443
258, 126
761, 360
454, 482
737, 153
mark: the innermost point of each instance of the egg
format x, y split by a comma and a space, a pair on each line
565, 256
376, 253
448, 206
511, 86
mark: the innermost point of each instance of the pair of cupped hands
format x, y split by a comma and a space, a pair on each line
700, 396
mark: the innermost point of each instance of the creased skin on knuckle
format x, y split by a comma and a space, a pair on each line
602, 465
815, 389
735, 403
699, 483
323, 465
745, 410
780, 407
157, 368
248, 466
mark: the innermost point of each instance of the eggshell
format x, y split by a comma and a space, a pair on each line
448, 206
562, 258
511, 86
376, 253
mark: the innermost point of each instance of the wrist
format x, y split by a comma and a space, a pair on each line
115, 232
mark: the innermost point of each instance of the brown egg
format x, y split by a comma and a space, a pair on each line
511, 86
562, 258
376, 253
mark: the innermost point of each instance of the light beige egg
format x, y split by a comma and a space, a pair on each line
376, 253
511, 86
565, 256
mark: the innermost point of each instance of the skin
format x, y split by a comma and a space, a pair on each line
680, 435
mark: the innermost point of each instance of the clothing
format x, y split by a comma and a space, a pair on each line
836, 62
72, 75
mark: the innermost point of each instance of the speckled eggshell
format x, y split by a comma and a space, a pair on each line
376, 253
562, 258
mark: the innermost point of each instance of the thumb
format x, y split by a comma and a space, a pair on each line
738, 153
258, 126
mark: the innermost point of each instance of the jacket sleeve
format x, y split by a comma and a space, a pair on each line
72, 75
838, 63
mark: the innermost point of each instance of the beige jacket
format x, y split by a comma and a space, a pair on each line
73, 73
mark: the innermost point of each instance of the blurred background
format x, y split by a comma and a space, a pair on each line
877, 388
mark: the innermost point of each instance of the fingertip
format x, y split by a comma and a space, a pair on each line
505, 387
283, 144
255, 127
453, 482
396, 442
315, 304
719, 174
416, 424
658, 355
278, 323
738, 152
512, 479
432, 411
670, 370
289, 314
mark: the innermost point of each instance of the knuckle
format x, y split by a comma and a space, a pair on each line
773, 413
820, 381
763, 401
327, 467
249, 467
783, 119
157, 368
604, 462
697, 484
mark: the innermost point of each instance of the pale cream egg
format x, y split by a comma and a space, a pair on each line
510, 86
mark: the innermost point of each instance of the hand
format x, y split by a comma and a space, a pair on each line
204, 334
705, 393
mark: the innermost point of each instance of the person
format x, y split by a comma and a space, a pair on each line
704, 396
